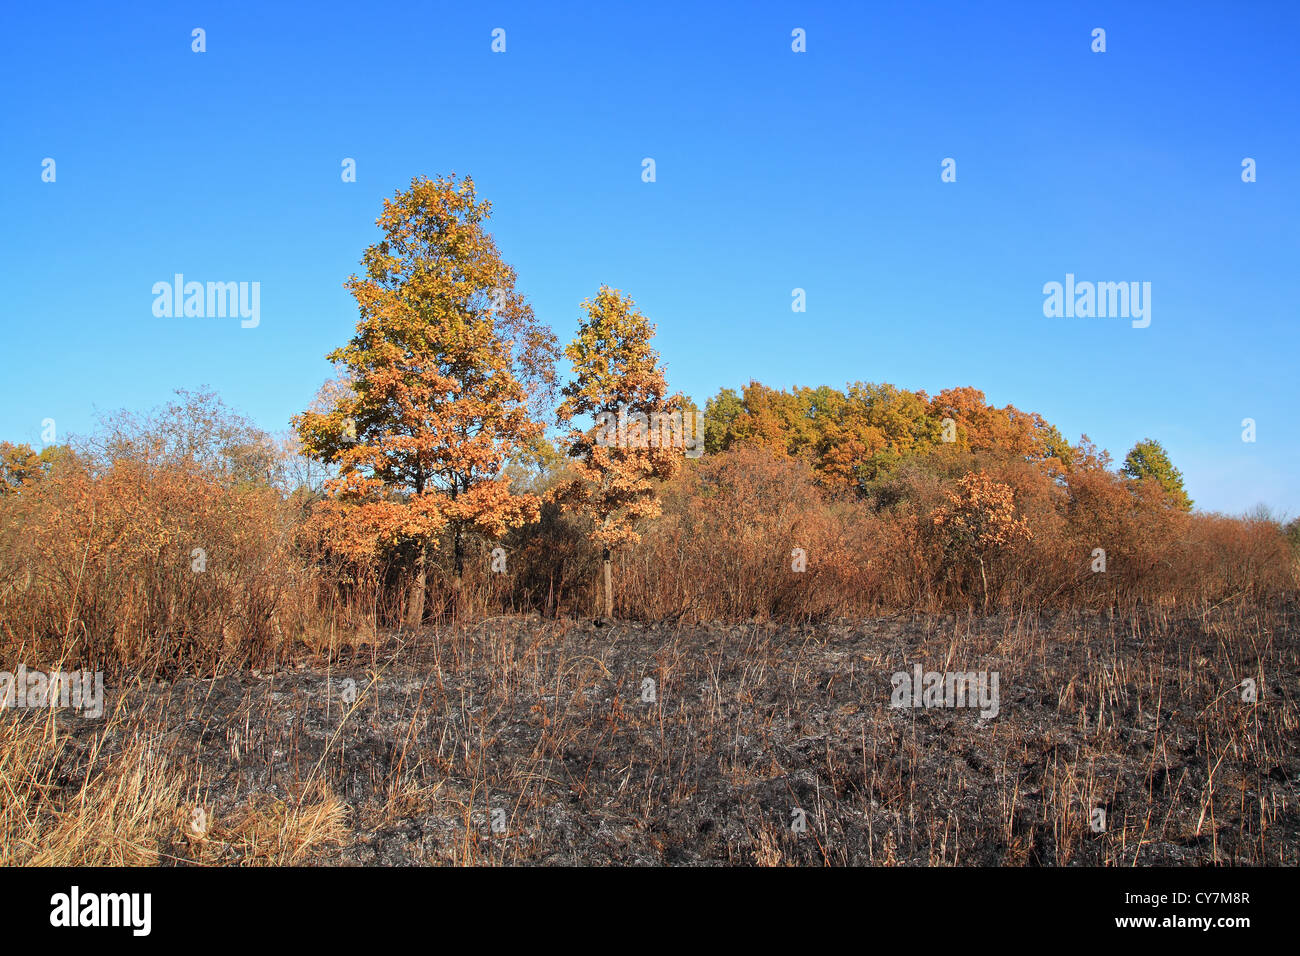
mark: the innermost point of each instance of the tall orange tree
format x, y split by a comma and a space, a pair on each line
616, 463
443, 382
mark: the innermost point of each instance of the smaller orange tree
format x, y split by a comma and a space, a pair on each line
617, 462
980, 516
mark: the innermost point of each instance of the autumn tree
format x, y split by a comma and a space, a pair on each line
1148, 460
720, 412
21, 465
443, 382
762, 420
979, 426
979, 517
855, 438
875, 427
616, 463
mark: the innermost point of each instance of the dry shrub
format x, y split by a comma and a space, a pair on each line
145, 566
350, 595
722, 548
1156, 554
97, 556
979, 520
1216, 558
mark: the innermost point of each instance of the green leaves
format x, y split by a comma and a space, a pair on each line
1148, 460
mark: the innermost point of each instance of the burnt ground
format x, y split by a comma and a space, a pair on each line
540, 727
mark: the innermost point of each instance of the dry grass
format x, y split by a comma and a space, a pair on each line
519, 741
73, 801
110, 809
270, 832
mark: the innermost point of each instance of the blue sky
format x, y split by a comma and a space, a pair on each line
775, 170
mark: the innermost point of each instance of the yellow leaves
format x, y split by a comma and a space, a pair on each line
615, 371
441, 371
18, 464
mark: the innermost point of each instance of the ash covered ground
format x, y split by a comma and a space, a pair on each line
522, 741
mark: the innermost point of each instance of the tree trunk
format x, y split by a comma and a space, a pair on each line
458, 547
415, 606
609, 587
985, 582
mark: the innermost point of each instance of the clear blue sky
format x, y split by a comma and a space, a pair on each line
775, 170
